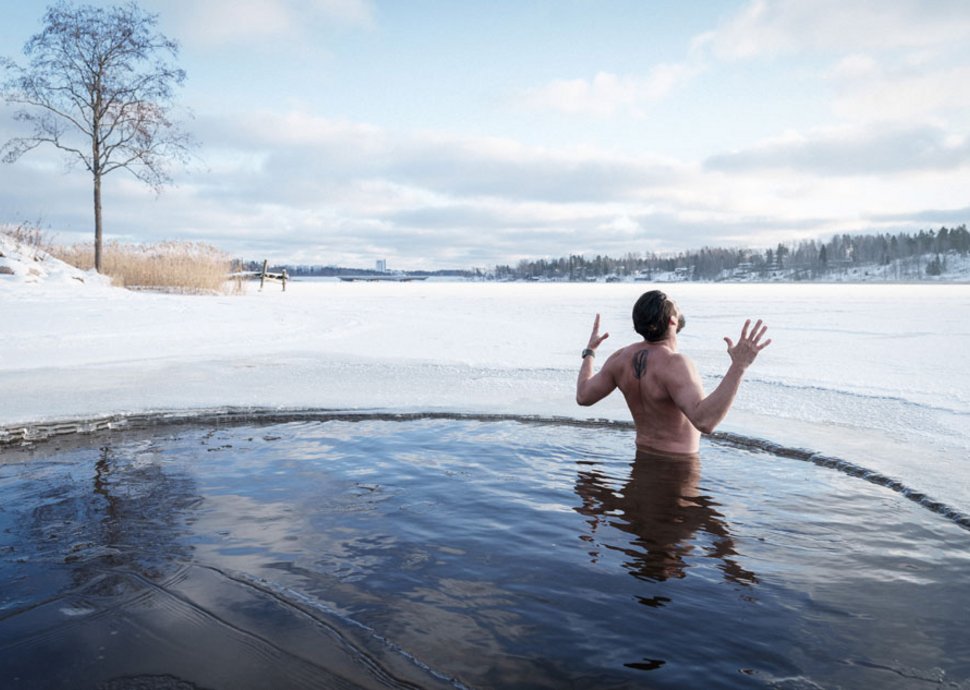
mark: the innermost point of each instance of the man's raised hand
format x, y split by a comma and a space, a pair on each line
749, 345
595, 338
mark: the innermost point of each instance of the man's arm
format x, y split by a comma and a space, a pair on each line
591, 388
684, 384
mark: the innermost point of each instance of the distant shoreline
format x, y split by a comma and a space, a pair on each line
962, 280
951, 267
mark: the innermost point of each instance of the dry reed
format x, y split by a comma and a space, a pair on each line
193, 267
31, 237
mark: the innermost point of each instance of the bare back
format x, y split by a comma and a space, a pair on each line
662, 387
643, 372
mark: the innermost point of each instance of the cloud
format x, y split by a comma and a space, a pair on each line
622, 225
313, 155
294, 185
852, 151
483, 167
949, 217
901, 62
299, 188
352, 12
777, 27
863, 36
223, 22
904, 96
855, 66
608, 94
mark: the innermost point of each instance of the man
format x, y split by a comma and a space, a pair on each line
661, 386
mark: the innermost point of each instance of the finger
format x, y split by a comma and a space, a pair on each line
744, 329
763, 345
755, 329
757, 335
596, 324
730, 343
602, 338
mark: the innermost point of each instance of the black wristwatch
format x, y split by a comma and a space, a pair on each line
589, 353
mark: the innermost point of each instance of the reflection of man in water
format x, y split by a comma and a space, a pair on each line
671, 521
661, 386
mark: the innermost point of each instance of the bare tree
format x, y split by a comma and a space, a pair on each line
99, 86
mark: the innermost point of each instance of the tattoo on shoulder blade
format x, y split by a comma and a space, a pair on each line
640, 363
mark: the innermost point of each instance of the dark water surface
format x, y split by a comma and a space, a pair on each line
446, 553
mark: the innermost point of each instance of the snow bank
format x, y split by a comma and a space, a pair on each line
21, 264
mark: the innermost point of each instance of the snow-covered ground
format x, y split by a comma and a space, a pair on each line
24, 264
873, 373
74, 346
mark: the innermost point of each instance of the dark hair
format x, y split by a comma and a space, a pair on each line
651, 315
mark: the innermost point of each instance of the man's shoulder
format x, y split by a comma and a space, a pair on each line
671, 362
678, 368
625, 352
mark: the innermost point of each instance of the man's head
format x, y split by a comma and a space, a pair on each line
653, 314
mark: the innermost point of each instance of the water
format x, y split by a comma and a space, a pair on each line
459, 552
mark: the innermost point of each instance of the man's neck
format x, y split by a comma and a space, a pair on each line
669, 341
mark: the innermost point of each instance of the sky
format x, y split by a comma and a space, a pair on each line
439, 134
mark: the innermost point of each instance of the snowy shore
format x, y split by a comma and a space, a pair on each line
73, 346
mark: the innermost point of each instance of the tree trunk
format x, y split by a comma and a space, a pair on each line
97, 221
96, 169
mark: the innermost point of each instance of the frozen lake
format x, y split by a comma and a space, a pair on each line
873, 374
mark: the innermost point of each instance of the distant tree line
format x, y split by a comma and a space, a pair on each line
803, 260
905, 255
333, 271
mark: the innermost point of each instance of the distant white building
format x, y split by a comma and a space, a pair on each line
382, 265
